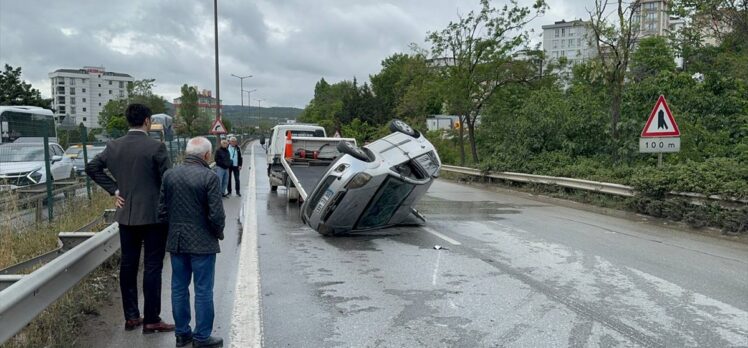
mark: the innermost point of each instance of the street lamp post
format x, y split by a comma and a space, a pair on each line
259, 108
241, 88
249, 100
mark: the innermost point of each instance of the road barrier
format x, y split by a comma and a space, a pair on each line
588, 185
24, 296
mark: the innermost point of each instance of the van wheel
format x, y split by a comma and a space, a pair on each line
402, 127
273, 188
355, 151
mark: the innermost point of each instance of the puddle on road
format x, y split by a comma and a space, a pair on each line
436, 208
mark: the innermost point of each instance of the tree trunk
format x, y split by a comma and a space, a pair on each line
471, 136
462, 141
615, 111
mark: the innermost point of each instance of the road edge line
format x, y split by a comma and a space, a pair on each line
246, 328
445, 238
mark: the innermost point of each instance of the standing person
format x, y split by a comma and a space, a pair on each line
191, 205
236, 164
137, 164
223, 165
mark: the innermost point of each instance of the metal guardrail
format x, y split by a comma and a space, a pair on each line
586, 185
30, 294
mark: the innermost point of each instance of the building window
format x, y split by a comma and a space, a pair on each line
571, 42
72, 90
61, 109
563, 43
84, 90
84, 100
563, 53
84, 119
60, 80
579, 42
110, 82
557, 31
121, 94
99, 85
72, 110
60, 90
122, 84
72, 100
99, 104
110, 91
72, 81
60, 100
99, 94
555, 44
83, 80
84, 110
650, 26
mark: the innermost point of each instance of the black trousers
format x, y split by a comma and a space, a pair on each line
234, 171
152, 239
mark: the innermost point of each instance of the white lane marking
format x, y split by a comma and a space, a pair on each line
447, 239
436, 267
246, 330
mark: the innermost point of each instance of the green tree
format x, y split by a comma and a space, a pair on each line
112, 117
614, 41
15, 91
188, 119
652, 56
476, 53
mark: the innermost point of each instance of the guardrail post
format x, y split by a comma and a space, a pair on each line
84, 141
39, 207
49, 178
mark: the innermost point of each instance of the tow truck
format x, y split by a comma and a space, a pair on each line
298, 156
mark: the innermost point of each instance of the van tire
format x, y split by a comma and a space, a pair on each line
402, 127
354, 151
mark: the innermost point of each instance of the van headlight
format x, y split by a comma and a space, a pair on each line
359, 180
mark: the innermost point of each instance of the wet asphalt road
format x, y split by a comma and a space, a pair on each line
514, 272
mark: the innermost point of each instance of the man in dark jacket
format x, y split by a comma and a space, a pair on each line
223, 165
235, 154
191, 205
137, 164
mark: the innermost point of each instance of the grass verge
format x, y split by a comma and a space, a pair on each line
60, 324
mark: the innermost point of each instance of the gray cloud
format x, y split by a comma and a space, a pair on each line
287, 45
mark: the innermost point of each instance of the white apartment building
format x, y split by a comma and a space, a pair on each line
573, 40
82, 93
652, 17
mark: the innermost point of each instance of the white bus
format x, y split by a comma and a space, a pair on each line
26, 122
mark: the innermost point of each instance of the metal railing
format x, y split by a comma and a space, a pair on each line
24, 296
36, 196
587, 185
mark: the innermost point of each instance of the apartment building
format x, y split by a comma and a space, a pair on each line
206, 103
572, 40
81, 94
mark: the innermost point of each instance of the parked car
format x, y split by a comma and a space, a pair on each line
78, 165
22, 164
374, 186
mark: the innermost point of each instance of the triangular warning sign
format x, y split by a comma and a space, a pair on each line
661, 122
217, 127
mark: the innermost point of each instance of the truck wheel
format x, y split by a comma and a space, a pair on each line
273, 188
353, 150
402, 127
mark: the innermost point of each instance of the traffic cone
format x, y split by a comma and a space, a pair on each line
289, 145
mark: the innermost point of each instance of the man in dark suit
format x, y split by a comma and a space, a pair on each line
137, 162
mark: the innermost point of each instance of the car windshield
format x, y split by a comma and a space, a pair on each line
21, 153
73, 150
385, 203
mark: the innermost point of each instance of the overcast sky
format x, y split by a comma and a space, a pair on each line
287, 45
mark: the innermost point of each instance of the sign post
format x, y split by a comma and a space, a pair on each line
661, 133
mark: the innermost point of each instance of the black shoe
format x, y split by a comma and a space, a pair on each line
211, 342
183, 341
238, 194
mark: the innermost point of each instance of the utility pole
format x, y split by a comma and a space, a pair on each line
218, 87
259, 108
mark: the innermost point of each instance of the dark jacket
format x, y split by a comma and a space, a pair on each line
222, 158
137, 163
239, 160
191, 204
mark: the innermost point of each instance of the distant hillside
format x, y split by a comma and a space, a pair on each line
250, 115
